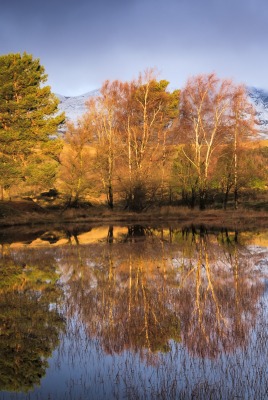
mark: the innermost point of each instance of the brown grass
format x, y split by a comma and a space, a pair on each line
29, 213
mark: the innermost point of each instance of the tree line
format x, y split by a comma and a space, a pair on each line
138, 144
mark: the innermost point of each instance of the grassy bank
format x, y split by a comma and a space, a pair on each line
29, 213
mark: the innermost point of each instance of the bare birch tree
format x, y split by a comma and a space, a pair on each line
214, 112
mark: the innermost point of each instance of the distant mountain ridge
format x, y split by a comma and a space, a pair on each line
259, 98
74, 106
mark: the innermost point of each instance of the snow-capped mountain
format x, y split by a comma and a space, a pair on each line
259, 98
74, 107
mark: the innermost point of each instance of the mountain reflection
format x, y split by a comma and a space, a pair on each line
184, 285
30, 322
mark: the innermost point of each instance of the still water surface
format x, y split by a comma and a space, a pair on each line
133, 312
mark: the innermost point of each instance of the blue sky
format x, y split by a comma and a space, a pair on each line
82, 42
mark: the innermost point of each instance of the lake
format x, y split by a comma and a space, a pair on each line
133, 312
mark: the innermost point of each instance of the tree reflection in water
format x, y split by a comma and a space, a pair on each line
150, 313
218, 295
181, 285
30, 322
122, 300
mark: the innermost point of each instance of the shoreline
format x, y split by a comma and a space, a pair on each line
26, 214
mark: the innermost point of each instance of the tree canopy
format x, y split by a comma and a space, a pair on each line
129, 124
29, 116
137, 144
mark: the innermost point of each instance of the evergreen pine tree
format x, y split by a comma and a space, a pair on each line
29, 116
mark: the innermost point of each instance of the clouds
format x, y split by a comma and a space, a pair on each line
84, 42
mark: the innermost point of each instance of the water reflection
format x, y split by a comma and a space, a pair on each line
200, 289
157, 300
218, 294
30, 322
127, 306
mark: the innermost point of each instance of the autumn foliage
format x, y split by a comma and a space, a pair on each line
152, 146
137, 145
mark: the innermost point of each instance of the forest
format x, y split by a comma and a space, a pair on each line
138, 145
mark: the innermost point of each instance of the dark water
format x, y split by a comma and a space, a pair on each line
133, 313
